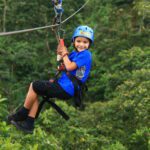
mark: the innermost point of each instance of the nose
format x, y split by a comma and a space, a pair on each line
81, 44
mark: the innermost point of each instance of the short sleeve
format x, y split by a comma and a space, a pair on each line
82, 59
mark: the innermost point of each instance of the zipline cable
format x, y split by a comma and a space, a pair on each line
44, 27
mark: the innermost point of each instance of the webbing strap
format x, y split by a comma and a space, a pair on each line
58, 109
40, 108
79, 88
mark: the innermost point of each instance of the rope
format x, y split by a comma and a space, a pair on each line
44, 27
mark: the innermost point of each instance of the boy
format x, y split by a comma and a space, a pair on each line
77, 64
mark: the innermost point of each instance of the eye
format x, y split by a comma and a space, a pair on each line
85, 42
78, 41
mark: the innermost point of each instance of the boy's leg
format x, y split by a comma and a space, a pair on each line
22, 113
28, 124
31, 98
31, 103
34, 109
43, 88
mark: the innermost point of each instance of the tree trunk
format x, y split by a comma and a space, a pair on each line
4, 16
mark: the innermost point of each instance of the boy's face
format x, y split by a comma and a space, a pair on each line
81, 43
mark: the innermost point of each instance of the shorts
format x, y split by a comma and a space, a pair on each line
50, 89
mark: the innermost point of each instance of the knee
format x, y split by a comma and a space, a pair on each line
40, 87
31, 85
36, 86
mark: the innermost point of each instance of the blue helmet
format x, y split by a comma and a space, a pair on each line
84, 31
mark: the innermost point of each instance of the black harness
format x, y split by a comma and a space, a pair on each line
79, 89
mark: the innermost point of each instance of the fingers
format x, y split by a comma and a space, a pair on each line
64, 51
59, 47
61, 50
51, 80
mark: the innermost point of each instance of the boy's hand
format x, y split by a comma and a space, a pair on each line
59, 49
62, 50
51, 80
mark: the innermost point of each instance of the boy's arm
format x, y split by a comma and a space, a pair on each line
69, 65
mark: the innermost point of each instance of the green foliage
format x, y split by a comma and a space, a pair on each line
3, 107
116, 116
139, 139
17, 140
135, 97
115, 146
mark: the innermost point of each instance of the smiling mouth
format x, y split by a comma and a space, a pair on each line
80, 47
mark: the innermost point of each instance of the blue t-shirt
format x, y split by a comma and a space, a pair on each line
83, 61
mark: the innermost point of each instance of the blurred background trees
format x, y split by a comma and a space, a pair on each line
117, 103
